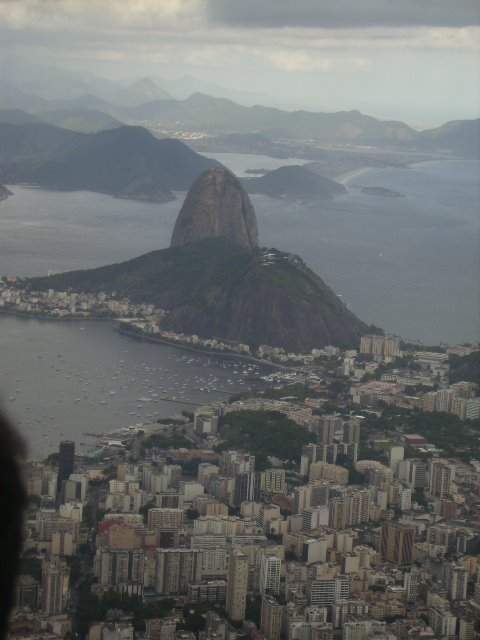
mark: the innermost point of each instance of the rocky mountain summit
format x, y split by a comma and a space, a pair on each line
217, 206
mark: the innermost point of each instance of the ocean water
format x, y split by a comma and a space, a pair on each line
60, 380
410, 265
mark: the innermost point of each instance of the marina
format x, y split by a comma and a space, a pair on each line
74, 380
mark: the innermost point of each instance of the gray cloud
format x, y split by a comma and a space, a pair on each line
337, 14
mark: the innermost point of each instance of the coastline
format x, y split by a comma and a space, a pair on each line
344, 178
31, 316
187, 347
152, 339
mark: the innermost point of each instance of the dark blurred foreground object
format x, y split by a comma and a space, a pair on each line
12, 503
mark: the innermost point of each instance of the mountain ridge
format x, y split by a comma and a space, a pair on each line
125, 161
200, 111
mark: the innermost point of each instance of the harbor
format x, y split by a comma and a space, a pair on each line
62, 380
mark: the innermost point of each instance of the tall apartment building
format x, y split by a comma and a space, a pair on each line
351, 432
391, 346
63, 544
443, 622
357, 507
388, 346
119, 567
205, 420
466, 630
246, 487
237, 585
66, 464
330, 472
164, 518
395, 456
219, 525
454, 580
396, 543
27, 592
234, 462
337, 515
442, 534
411, 582
175, 568
413, 472
214, 554
270, 568
273, 481
441, 476
326, 429
271, 617
55, 586
314, 517
324, 592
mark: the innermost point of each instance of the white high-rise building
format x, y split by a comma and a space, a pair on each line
270, 568
237, 585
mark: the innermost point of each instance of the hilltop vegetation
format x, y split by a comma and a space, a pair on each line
465, 368
263, 434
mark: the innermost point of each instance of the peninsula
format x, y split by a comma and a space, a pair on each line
214, 281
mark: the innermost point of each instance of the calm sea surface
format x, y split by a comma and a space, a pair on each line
410, 265
62, 379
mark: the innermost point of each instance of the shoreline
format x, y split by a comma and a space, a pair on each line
146, 338
344, 178
31, 316
187, 347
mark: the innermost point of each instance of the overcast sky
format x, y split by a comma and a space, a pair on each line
416, 60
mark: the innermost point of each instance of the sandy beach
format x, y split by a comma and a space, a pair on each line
344, 178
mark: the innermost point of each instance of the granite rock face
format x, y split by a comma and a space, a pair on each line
216, 206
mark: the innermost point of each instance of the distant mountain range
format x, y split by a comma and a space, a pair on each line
82, 120
127, 162
145, 102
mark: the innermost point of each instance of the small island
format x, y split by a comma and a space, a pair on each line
382, 192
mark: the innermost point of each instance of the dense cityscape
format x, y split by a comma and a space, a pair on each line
337, 503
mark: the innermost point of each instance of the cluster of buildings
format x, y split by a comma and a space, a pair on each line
339, 547
394, 387
67, 304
